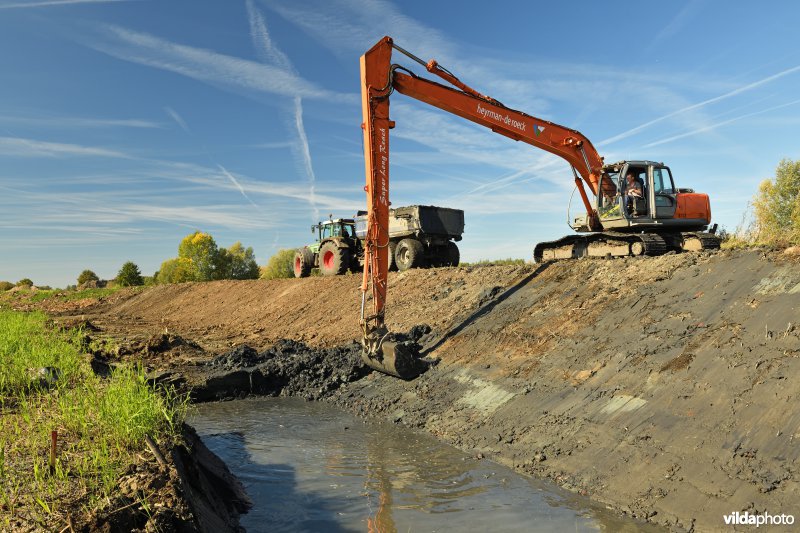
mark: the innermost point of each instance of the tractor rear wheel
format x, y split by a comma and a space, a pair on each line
333, 260
392, 251
453, 256
303, 262
409, 254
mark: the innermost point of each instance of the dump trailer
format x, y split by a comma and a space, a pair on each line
420, 236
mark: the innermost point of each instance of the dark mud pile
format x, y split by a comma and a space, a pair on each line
289, 368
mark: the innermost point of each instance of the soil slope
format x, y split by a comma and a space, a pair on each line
665, 387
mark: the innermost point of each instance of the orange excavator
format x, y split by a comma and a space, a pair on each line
632, 207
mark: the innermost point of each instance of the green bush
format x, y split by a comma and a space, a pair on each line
5, 285
238, 262
200, 259
201, 249
280, 265
87, 276
777, 206
177, 270
25, 282
129, 275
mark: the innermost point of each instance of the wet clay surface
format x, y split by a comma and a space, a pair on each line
663, 387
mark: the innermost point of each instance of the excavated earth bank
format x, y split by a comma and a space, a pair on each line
663, 387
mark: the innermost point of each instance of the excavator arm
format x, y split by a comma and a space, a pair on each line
379, 78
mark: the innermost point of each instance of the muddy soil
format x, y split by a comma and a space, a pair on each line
663, 387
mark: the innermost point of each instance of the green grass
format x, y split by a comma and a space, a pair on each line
68, 296
101, 423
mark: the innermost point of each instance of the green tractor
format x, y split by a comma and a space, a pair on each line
335, 251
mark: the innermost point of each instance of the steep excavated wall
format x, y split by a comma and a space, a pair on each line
665, 387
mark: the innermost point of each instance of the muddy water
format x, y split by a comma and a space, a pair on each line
310, 466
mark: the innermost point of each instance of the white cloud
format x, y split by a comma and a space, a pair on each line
78, 122
208, 66
19, 147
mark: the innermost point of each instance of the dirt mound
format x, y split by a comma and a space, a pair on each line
316, 311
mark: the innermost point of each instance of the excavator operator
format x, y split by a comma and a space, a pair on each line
634, 193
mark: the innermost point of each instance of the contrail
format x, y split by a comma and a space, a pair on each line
238, 186
19, 5
177, 118
734, 92
269, 53
306, 154
714, 126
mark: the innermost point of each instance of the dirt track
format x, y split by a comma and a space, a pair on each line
665, 387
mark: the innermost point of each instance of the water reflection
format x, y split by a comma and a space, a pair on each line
312, 467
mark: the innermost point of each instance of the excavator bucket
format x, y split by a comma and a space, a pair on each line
394, 359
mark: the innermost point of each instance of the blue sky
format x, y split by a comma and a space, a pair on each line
126, 125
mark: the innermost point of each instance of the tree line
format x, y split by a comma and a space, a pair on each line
199, 259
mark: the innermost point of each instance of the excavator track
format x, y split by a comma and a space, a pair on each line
606, 244
697, 241
614, 244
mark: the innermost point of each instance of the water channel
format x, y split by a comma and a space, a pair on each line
310, 466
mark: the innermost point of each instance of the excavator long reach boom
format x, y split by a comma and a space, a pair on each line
379, 79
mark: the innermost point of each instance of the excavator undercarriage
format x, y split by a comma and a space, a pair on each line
612, 244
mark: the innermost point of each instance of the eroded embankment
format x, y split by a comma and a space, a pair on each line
664, 387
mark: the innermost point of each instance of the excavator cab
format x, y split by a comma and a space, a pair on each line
657, 206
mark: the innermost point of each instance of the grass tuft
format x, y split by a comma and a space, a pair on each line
100, 422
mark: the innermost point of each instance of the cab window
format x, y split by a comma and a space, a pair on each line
608, 199
662, 181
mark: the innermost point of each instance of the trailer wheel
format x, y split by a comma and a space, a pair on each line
333, 260
303, 262
409, 254
453, 255
392, 252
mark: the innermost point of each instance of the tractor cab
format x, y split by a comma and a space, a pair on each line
340, 229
